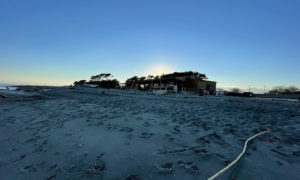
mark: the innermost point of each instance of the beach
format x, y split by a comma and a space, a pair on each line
94, 133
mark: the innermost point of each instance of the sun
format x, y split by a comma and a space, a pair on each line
160, 69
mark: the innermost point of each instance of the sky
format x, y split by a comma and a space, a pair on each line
235, 43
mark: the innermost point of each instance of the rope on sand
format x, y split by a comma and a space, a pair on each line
239, 157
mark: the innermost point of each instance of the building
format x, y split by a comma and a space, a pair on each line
175, 82
190, 81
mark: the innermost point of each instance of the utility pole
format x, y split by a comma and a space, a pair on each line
249, 88
264, 89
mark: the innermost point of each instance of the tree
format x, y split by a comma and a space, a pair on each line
107, 76
200, 76
236, 90
80, 83
104, 80
156, 77
141, 80
293, 89
277, 90
151, 77
284, 90
189, 73
109, 83
99, 77
132, 82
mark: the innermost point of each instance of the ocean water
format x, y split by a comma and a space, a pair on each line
10, 86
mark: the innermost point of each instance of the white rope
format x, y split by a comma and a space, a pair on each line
239, 157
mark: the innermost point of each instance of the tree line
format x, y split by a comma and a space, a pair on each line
104, 80
274, 90
147, 82
284, 90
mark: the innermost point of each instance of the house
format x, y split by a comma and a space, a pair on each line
190, 81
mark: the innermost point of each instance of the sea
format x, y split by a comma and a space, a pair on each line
9, 86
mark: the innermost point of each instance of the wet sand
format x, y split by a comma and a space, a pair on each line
82, 133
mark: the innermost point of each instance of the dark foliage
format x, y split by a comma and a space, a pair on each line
79, 83
285, 90
176, 77
100, 77
132, 82
189, 74
103, 80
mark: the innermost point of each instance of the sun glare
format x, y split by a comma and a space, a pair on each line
160, 69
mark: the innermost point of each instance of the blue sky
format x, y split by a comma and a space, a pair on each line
235, 43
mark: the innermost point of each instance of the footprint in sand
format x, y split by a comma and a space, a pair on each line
175, 130
163, 123
146, 135
167, 167
126, 129
29, 168
214, 137
132, 177
146, 124
189, 166
51, 177
99, 123
109, 126
139, 118
99, 166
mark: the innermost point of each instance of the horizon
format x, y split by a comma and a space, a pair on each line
236, 44
257, 90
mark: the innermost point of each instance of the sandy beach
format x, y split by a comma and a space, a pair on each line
93, 133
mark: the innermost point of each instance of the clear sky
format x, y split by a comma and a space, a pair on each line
236, 43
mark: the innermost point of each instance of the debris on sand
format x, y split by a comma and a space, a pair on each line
28, 168
51, 177
180, 150
98, 168
159, 92
167, 167
3, 96
240, 155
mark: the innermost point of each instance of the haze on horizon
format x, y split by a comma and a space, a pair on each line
236, 43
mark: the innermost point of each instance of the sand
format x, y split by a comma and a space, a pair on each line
83, 133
